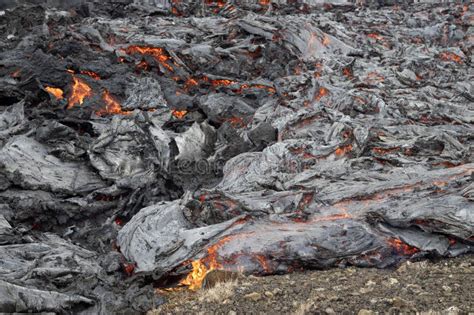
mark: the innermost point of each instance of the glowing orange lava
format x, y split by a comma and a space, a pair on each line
375, 77
158, 53
333, 217
326, 40
222, 82
179, 113
319, 70
343, 150
225, 82
91, 74
449, 56
347, 72
143, 65
375, 36
321, 93
16, 74
264, 263
175, 11
80, 90
269, 89
190, 82
219, 3
128, 268
236, 121
112, 106
196, 277
401, 247
383, 151
202, 266
56, 92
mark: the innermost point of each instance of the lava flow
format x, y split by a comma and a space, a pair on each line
80, 90
375, 36
179, 114
155, 144
112, 106
91, 74
158, 53
202, 266
194, 279
402, 248
343, 150
321, 93
449, 56
56, 92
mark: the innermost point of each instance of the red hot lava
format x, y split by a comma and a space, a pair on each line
80, 90
402, 248
158, 53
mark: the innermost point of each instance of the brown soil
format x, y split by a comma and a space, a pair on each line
445, 286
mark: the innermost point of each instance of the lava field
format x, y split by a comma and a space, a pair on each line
146, 143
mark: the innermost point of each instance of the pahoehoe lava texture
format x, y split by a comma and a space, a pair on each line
265, 137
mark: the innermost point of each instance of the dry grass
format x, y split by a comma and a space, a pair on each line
220, 292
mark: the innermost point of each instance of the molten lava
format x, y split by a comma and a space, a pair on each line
333, 217
112, 106
402, 248
56, 92
143, 65
80, 90
449, 56
264, 263
321, 93
383, 151
343, 150
374, 77
269, 89
16, 74
218, 3
375, 36
189, 83
196, 277
326, 40
179, 113
236, 121
222, 82
202, 266
347, 72
128, 268
91, 74
176, 11
158, 53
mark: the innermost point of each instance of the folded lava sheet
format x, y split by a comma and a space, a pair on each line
146, 143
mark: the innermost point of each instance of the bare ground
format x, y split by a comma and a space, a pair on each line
445, 286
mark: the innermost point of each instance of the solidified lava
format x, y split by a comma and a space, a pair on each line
150, 142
